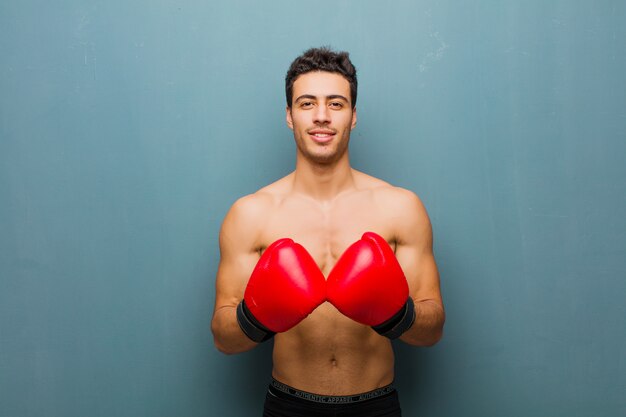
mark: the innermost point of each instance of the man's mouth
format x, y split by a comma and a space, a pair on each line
322, 135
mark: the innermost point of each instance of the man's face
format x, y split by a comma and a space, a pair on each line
321, 116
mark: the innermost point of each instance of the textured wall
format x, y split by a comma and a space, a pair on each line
127, 128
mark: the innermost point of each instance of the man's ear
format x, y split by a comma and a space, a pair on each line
288, 117
353, 118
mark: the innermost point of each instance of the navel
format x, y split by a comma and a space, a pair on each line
333, 362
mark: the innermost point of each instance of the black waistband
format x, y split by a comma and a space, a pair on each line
330, 399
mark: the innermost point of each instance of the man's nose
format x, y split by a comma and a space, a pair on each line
322, 114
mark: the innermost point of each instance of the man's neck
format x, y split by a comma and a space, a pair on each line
323, 182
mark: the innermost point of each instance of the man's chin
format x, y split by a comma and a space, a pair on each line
323, 159
321, 155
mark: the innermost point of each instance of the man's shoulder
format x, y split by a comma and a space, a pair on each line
395, 194
406, 215
244, 220
387, 193
259, 203
404, 207
252, 206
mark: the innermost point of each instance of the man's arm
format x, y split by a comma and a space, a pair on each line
414, 251
239, 253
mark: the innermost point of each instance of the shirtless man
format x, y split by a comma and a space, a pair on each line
279, 276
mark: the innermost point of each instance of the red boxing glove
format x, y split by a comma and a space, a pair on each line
285, 286
367, 284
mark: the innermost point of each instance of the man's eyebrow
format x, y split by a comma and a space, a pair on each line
306, 96
335, 96
330, 97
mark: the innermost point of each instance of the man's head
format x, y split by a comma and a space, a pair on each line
321, 97
321, 59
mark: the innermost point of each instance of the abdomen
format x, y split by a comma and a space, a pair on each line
330, 354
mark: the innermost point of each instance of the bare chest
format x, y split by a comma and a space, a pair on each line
326, 229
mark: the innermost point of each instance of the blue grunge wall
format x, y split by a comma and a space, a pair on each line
127, 128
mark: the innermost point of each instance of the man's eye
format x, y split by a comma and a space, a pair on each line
306, 104
336, 105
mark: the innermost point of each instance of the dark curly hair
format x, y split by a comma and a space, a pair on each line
321, 59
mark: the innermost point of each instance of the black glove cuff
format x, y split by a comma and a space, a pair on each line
251, 326
399, 323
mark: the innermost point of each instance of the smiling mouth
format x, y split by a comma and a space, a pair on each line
321, 136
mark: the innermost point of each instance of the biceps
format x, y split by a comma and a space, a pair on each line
232, 277
421, 272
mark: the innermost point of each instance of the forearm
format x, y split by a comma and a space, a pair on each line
428, 326
227, 334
